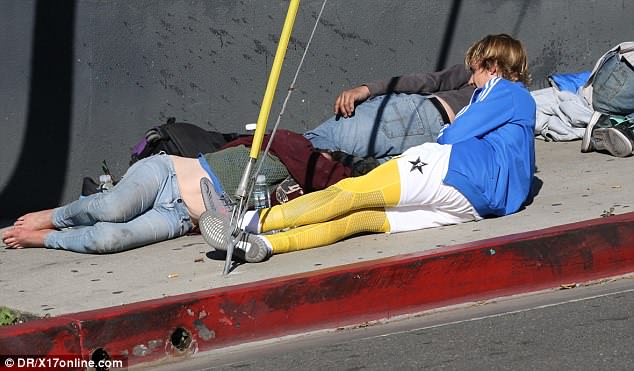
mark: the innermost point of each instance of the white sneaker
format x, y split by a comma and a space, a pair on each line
586, 141
614, 140
252, 248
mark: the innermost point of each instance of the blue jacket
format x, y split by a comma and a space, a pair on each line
492, 158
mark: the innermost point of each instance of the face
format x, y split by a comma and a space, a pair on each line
480, 76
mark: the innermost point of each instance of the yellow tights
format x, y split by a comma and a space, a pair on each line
326, 233
353, 205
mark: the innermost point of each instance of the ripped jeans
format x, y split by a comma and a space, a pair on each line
143, 208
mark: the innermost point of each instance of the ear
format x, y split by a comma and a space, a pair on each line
493, 70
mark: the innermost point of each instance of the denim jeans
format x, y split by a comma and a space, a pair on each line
143, 208
381, 127
613, 87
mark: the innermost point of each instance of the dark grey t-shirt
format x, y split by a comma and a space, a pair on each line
451, 84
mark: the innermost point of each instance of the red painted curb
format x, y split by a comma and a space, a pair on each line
147, 331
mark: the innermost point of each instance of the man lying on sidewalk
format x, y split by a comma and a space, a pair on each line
383, 118
482, 165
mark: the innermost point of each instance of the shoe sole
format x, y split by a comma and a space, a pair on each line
613, 141
251, 249
211, 198
206, 189
215, 229
587, 135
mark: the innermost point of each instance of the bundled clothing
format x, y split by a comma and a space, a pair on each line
561, 114
305, 164
565, 109
292, 166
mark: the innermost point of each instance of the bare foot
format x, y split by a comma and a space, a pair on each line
36, 220
20, 237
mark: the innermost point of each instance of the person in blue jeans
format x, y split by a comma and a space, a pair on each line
610, 90
383, 118
157, 199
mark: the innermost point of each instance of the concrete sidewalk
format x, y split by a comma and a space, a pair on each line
572, 187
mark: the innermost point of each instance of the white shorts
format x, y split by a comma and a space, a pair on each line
425, 200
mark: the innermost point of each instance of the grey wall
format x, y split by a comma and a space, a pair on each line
81, 81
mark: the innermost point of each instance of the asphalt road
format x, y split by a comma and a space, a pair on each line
583, 328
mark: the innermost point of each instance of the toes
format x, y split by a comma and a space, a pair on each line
10, 239
7, 234
11, 243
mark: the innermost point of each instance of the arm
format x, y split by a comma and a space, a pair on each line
451, 78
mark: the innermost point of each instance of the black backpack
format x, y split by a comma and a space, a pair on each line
181, 139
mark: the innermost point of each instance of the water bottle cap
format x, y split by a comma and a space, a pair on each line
261, 178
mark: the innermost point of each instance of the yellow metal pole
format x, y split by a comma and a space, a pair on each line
267, 101
260, 128
274, 76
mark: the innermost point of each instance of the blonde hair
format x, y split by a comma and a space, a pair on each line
504, 53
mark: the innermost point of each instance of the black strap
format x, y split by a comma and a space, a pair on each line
440, 108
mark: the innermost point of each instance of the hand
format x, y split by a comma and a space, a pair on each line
347, 99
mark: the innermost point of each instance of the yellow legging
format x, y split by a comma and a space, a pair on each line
353, 205
320, 234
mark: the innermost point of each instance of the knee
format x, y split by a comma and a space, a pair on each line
105, 207
323, 136
101, 239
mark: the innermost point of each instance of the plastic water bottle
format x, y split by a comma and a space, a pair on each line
261, 196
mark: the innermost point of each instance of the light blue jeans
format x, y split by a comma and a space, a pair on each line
381, 127
143, 208
613, 87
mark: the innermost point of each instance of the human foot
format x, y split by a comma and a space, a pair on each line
20, 237
36, 220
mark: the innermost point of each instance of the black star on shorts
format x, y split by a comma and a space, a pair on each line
417, 165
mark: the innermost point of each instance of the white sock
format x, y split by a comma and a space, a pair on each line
246, 246
251, 222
